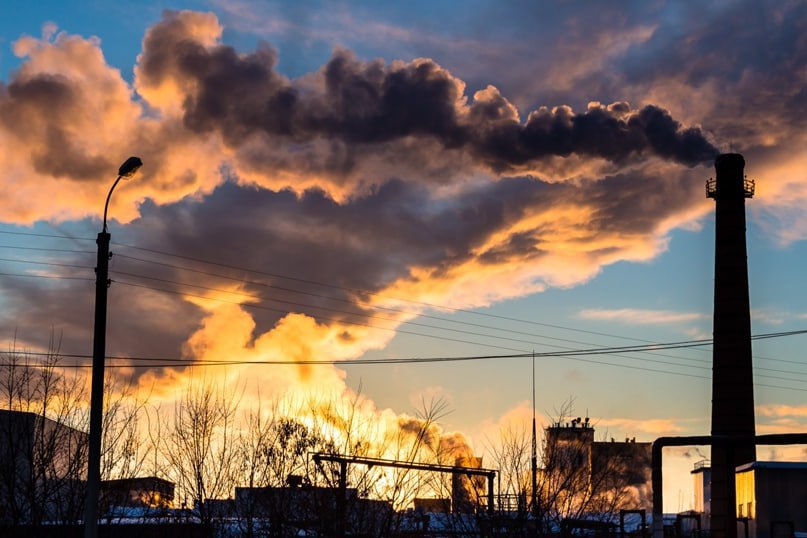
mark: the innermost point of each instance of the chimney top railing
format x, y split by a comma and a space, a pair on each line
748, 188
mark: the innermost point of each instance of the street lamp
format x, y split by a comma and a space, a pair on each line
127, 170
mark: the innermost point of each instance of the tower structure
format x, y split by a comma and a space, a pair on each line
733, 427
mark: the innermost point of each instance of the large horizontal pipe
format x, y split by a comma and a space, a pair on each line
699, 440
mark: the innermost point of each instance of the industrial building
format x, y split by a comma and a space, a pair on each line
702, 474
42, 469
575, 461
772, 498
141, 492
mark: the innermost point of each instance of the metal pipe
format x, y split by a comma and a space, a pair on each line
698, 440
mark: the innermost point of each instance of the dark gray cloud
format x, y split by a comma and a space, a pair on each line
36, 307
352, 248
366, 103
373, 236
39, 111
742, 63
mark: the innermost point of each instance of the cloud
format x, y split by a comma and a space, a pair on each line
372, 103
643, 429
781, 418
383, 179
782, 410
768, 316
638, 316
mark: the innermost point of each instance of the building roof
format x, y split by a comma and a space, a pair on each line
783, 465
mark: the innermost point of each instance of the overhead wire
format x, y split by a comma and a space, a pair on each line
162, 362
363, 291
291, 290
52, 277
364, 314
388, 319
371, 293
44, 249
413, 333
357, 290
54, 264
52, 236
51, 264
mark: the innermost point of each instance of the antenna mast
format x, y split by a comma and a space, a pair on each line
534, 461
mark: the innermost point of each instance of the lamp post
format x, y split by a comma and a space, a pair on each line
127, 170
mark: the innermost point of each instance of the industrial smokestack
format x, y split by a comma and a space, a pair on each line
732, 370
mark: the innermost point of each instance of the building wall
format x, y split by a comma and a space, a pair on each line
703, 489
774, 492
42, 467
630, 460
573, 461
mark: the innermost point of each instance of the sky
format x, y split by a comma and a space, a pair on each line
363, 180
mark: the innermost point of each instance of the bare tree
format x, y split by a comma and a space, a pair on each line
274, 458
511, 455
200, 447
43, 443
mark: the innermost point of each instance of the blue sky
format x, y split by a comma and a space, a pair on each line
608, 235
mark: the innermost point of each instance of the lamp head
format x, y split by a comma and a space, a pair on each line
129, 167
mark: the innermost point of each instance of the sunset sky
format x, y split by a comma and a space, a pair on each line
422, 179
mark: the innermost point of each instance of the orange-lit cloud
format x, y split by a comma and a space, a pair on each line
642, 317
387, 179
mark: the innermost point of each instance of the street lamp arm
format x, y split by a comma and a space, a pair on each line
126, 170
108, 197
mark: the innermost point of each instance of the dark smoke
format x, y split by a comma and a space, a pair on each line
241, 95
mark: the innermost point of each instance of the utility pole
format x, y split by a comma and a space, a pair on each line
534, 460
102, 282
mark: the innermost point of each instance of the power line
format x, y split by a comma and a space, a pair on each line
319, 283
270, 309
590, 351
42, 249
362, 314
371, 293
162, 362
367, 292
51, 277
360, 291
374, 307
307, 281
365, 315
53, 236
319, 308
631, 348
612, 351
51, 264
322, 296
